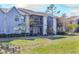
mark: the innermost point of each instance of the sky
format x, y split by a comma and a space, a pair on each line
68, 9
34, 7
73, 9
62, 8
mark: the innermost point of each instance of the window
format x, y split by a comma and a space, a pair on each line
16, 19
19, 24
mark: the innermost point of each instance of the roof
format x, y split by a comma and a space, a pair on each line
32, 12
1, 11
72, 18
24, 11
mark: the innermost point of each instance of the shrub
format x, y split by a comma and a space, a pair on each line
72, 27
61, 33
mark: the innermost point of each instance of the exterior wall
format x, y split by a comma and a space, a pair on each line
9, 23
50, 25
2, 23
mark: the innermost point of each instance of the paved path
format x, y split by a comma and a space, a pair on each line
28, 37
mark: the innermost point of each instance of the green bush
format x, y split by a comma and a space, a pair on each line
12, 35
72, 27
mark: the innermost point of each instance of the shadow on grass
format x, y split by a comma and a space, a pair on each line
7, 40
56, 38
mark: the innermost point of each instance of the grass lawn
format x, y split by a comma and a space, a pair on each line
56, 45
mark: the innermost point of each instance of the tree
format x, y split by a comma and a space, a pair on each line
52, 9
72, 27
61, 21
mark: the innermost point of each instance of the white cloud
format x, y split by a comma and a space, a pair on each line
25, 1
34, 7
76, 6
21, 5
74, 12
29, 5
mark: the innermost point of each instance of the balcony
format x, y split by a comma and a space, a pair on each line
36, 23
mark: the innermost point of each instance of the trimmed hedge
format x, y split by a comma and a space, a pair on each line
61, 33
13, 35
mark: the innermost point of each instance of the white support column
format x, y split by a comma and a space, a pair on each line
54, 26
27, 24
44, 25
64, 25
4, 27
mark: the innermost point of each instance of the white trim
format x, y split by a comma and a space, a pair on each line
27, 24
54, 26
44, 25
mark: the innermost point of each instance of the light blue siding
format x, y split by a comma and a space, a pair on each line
8, 22
50, 24
2, 23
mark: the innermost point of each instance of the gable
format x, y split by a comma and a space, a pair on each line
13, 11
